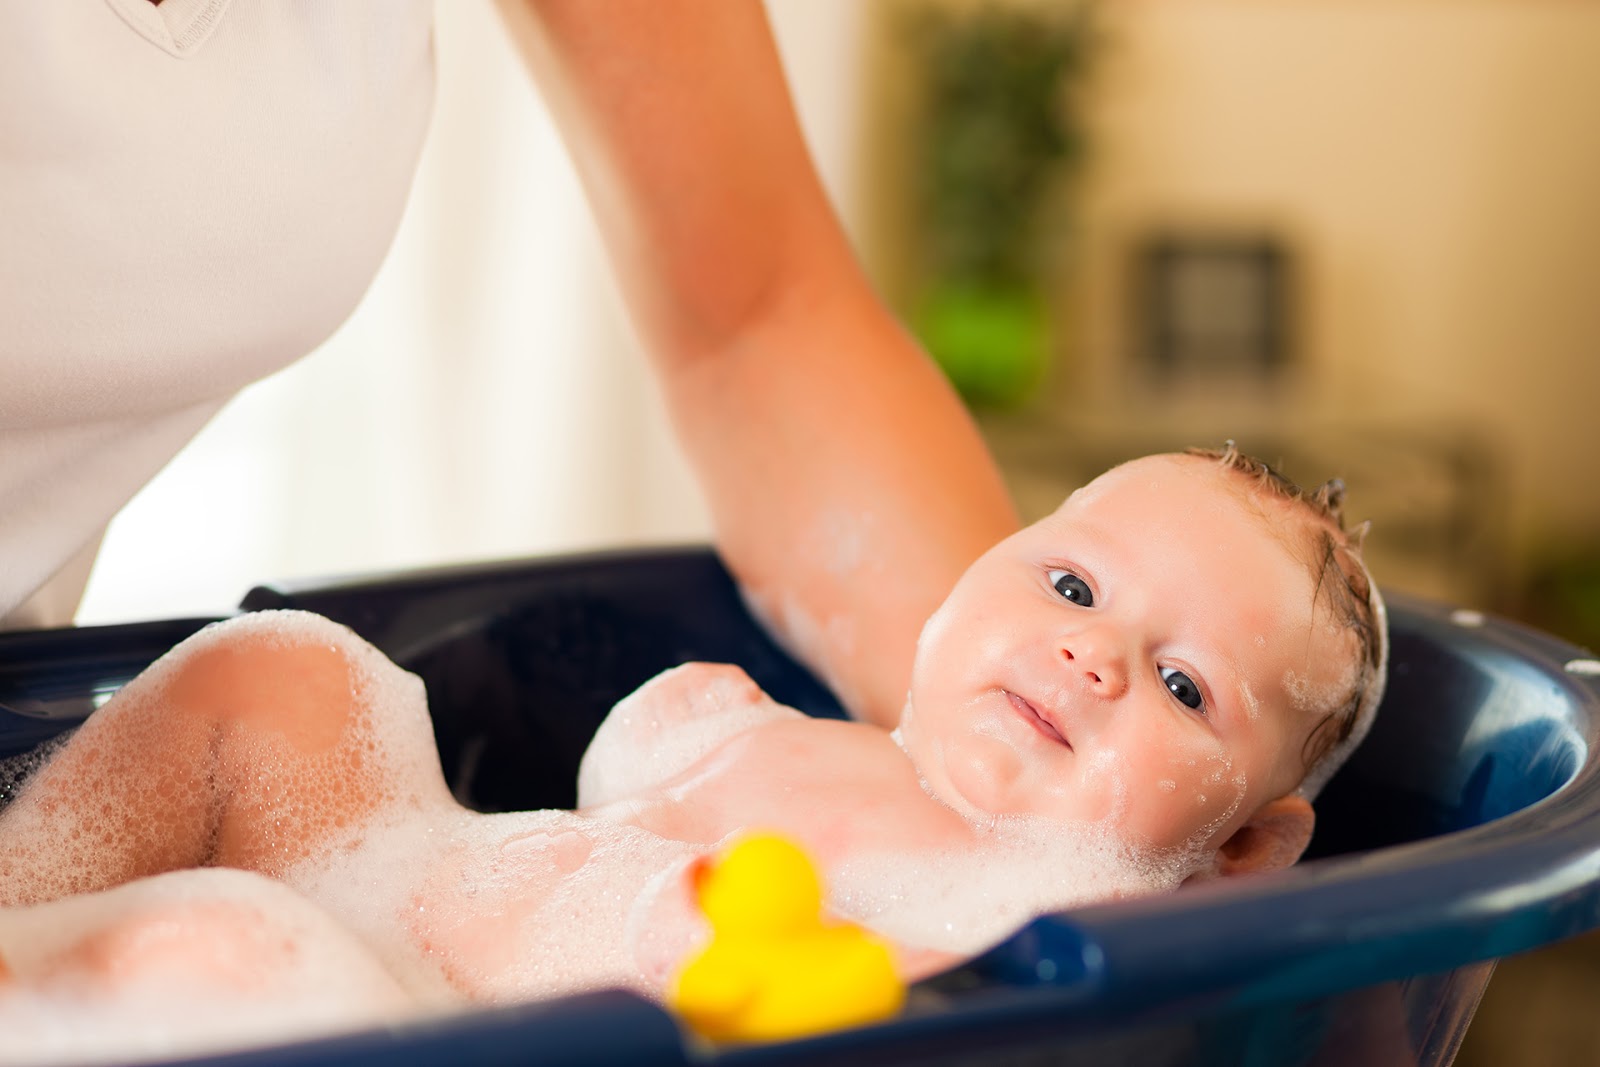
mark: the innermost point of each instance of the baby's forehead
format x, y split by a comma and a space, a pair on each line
1162, 484
1169, 482
1159, 472
1225, 532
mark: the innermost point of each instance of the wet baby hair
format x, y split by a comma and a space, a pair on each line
1344, 587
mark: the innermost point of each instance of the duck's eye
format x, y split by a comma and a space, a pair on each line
1073, 588
1182, 687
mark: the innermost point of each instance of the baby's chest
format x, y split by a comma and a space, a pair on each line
815, 781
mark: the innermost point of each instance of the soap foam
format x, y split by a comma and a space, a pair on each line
1308, 695
965, 900
16, 770
497, 909
1252, 703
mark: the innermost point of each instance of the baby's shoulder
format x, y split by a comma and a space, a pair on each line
668, 724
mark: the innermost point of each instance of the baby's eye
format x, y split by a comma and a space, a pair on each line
1183, 687
1072, 587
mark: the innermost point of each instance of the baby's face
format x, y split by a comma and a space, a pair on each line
1147, 659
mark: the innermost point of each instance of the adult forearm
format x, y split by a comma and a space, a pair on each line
681, 126
847, 485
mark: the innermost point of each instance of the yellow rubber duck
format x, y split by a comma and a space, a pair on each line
775, 969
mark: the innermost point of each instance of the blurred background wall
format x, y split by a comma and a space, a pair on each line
1419, 177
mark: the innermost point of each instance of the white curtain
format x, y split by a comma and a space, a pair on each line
486, 399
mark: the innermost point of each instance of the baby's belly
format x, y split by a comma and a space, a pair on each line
504, 908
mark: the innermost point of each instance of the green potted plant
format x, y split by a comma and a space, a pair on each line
996, 137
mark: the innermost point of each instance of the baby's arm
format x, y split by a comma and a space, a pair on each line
249, 745
667, 725
848, 486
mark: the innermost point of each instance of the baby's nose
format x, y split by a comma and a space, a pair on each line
1099, 661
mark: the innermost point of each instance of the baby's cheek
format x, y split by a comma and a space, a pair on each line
1219, 790
1182, 791
1111, 791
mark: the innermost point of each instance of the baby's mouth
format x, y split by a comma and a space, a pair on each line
1036, 718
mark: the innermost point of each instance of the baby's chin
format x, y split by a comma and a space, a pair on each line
986, 805
935, 784
971, 800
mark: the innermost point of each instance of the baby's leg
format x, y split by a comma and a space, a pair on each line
252, 744
187, 959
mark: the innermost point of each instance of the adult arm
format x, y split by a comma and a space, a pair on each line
847, 484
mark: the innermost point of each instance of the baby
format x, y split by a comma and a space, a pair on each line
1147, 687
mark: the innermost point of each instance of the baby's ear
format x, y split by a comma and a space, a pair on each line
1273, 837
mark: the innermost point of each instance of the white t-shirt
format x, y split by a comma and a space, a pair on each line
192, 195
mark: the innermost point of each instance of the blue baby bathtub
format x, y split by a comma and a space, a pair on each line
1467, 828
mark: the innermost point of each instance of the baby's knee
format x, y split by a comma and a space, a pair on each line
207, 941
294, 674
214, 931
179, 927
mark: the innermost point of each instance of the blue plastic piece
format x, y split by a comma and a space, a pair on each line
1466, 828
